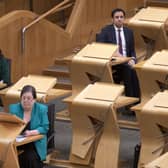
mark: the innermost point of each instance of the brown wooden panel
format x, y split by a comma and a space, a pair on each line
130, 6
2, 8
14, 5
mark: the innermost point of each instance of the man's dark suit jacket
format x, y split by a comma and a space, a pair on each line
107, 35
123, 72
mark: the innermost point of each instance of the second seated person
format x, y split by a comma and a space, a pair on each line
36, 118
117, 33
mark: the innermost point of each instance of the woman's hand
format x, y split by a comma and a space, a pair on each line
31, 132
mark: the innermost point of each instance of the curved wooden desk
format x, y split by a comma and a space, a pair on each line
149, 30
95, 126
153, 77
90, 65
154, 128
44, 87
10, 127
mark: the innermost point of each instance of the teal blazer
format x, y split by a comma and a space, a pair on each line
39, 121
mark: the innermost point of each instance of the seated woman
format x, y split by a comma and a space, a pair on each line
36, 117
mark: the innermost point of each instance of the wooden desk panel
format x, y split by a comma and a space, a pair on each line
28, 139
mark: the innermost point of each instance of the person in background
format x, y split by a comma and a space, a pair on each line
36, 118
117, 33
4, 69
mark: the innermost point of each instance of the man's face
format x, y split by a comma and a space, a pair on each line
118, 19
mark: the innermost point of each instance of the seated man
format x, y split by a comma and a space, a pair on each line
118, 34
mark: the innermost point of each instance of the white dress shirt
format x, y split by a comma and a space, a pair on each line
122, 39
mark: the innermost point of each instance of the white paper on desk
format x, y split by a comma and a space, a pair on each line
20, 138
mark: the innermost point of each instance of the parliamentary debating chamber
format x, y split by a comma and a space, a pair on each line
58, 47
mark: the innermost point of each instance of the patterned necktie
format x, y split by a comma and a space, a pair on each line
120, 42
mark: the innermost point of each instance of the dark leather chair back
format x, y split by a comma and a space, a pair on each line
51, 132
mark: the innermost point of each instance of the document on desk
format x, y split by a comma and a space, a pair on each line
20, 138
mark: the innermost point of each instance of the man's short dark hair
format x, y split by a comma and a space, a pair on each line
117, 10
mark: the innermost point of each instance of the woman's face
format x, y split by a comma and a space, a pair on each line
27, 101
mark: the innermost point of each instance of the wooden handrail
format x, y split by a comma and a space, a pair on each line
59, 7
51, 11
64, 7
